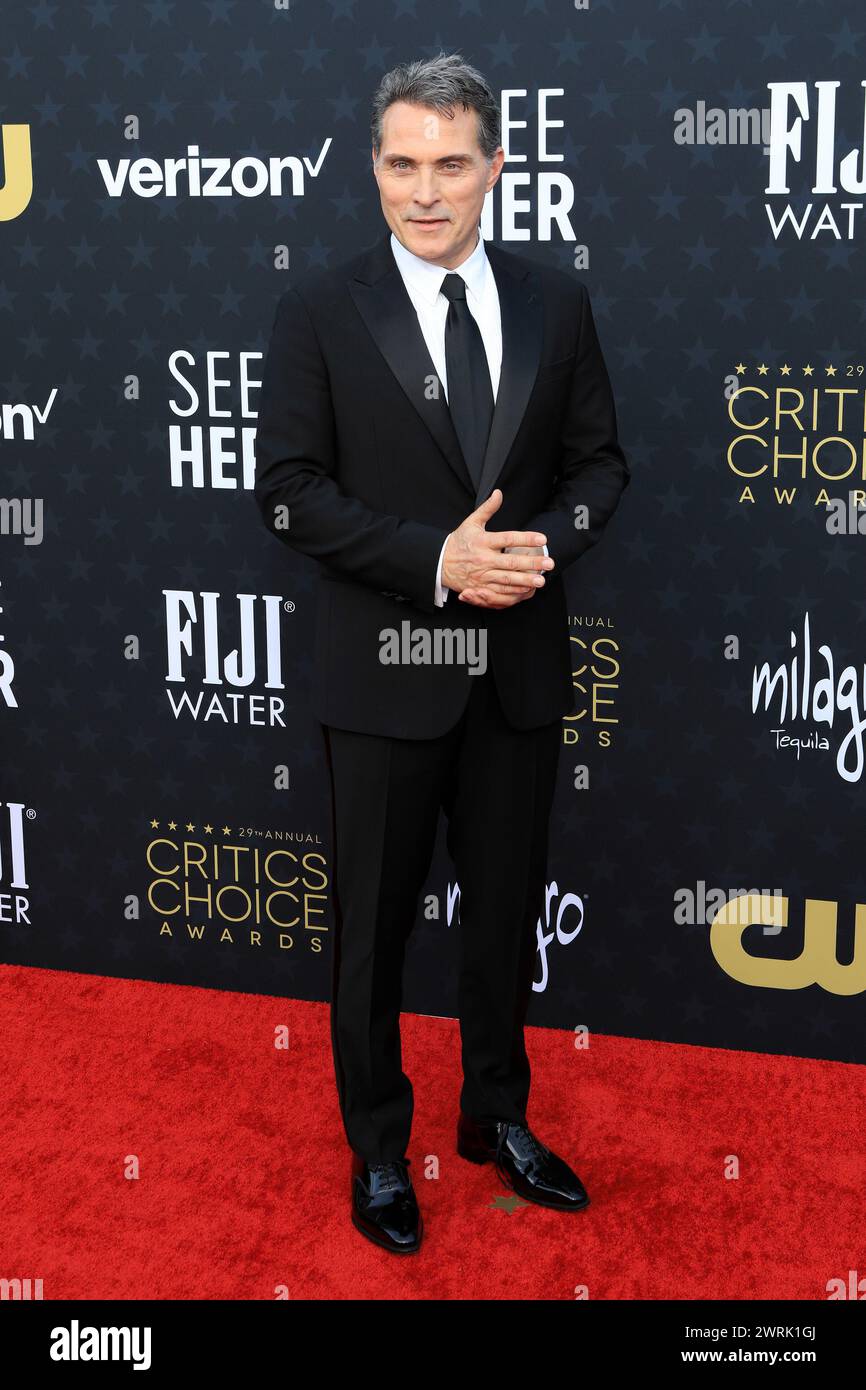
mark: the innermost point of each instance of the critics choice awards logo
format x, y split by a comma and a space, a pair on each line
230, 886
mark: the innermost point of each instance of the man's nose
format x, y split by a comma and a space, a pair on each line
426, 189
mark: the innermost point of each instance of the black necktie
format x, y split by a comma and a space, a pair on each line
470, 391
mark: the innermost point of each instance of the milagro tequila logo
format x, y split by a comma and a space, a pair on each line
806, 691
198, 628
14, 898
560, 922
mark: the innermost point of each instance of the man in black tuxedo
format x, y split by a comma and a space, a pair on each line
413, 398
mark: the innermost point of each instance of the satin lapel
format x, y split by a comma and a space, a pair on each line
387, 310
380, 295
520, 308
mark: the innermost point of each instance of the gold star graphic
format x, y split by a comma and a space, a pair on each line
172, 825
807, 371
208, 830
785, 369
762, 370
831, 371
154, 825
739, 369
189, 825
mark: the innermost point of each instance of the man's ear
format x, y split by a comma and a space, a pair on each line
496, 164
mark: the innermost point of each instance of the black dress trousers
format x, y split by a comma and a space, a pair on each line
496, 786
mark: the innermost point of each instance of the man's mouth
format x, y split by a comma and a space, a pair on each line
430, 221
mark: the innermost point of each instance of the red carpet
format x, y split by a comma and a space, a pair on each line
243, 1182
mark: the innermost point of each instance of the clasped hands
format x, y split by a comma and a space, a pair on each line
493, 569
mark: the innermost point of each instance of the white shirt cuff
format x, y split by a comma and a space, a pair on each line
440, 593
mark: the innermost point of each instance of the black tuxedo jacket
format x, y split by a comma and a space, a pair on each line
358, 465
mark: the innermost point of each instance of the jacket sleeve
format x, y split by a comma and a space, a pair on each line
296, 484
593, 471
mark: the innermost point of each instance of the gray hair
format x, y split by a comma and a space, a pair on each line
442, 82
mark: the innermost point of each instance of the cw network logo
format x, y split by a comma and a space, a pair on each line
17, 191
817, 963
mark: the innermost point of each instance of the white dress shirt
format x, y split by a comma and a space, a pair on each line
423, 282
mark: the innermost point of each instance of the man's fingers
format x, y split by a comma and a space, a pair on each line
500, 539
508, 568
493, 503
511, 590
482, 599
524, 563
502, 572
492, 596
500, 588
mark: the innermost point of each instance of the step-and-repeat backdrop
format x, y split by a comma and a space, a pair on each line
168, 170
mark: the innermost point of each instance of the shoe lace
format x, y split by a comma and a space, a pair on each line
393, 1174
539, 1149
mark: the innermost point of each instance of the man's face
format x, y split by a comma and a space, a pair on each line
432, 180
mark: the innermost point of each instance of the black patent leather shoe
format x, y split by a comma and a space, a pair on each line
522, 1162
384, 1205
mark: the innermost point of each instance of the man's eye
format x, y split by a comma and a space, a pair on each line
451, 165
